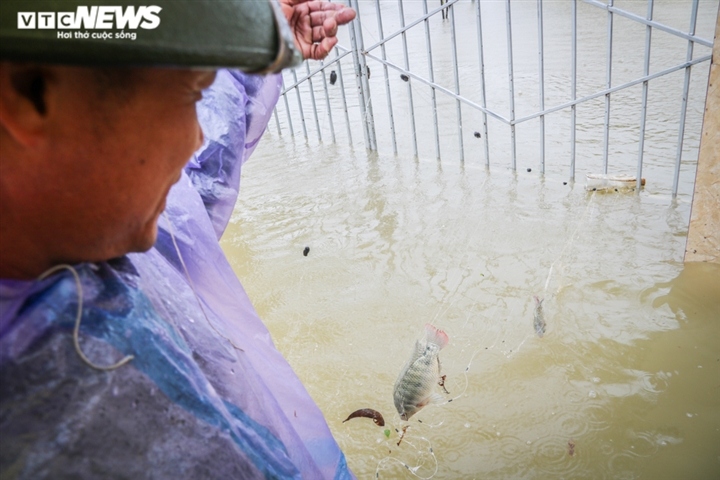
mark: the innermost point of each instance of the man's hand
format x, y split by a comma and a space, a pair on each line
314, 24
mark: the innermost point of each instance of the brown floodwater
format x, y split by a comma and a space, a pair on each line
624, 384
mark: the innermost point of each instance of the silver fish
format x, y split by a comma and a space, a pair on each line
414, 386
539, 317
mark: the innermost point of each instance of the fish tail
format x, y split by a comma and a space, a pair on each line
436, 336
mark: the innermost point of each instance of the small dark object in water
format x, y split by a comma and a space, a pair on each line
571, 447
404, 77
333, 77
564, 183
306, 251
529, 169
403, 435
368, 71
477, 134
368, 413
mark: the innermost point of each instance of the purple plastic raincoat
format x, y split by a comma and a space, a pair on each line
207, 395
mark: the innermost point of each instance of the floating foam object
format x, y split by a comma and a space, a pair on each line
604, 183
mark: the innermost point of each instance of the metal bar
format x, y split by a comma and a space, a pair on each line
313, 72
643, 108
431, 74
344, 100
287, 106
355, 24
512, 84
302, 114
409, 87
600, 93
683, 107
550, 110
277, 121
404, 28
483, 100
458, 105
649, 22
442, 89
364, 72
327, 103
608, 84
541, 63
573, 90
387, 79
314, 105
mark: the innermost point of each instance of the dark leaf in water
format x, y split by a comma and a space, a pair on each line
368, 413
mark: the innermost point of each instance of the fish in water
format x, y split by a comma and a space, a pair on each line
539, 317
414, 386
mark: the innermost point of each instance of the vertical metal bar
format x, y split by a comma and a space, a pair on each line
608, 84
431, 76
541, 63
344, 100
512, 84
483, 101
458, 105
409, 86
643, 107
683, 108
287, 106
387, 78
312, 100
327, 102
362, 73
358, 73
297, 93
277, 121
573, 89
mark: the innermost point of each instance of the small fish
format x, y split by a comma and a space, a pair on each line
539, 317
333, 77
368, 413
414, 386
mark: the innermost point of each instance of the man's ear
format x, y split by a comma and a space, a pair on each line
23, 108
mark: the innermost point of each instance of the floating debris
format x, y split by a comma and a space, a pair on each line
571, 447
477, 134
369, 413
529, 169
402, 435
606, 183
333, 77
404, 77
306, 251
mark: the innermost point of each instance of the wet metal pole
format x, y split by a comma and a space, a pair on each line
573, 90
431, 76
643, 108
608, 85
409, 86
364, 73
387, 78
327, 103
541, 63
683, 108
344, 100
300, 107
483, 101
457, 82
287, 106
312, 100
512, 84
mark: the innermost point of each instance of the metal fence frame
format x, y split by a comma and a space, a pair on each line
359, 54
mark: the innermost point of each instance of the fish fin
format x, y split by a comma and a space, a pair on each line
435, 399
436, 336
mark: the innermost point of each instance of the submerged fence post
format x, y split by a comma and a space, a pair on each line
361, 72
483, 99
643, 108
608, 84
683, 106
541, 63
512, 84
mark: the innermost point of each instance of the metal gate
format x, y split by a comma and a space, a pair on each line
486, 80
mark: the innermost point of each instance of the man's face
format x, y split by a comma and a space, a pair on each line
115, 156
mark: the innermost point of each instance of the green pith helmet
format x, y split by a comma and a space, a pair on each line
248, 34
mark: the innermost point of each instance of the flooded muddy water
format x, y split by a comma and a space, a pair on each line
347, 254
